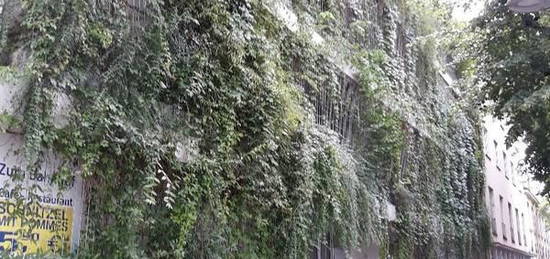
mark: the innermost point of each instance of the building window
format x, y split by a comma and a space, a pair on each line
511, 222
518, 227
323, 249
501, 206
506, 173
496, 156
512, 170
523, 228
492, 211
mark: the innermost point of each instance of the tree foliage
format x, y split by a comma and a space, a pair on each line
514, 68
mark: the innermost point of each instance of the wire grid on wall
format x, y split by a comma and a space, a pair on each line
137, 14
137, 17
2, 24
335, 107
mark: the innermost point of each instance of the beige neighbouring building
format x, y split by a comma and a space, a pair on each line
517, 229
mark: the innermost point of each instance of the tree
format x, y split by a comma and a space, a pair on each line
514, 69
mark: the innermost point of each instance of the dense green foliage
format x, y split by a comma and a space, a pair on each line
208, 129
513, 65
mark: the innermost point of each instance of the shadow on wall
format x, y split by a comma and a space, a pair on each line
12, 34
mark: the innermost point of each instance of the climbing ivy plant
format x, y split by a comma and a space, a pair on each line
197, 128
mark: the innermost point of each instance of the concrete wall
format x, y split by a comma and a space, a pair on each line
12, 96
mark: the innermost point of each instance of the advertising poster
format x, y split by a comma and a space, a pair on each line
36, 216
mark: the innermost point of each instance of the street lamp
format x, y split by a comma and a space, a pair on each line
528, 6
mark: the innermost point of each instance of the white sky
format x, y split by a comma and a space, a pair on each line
475, 9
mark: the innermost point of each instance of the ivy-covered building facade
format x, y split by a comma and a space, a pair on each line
250, 129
